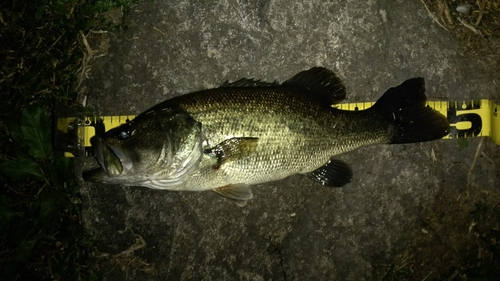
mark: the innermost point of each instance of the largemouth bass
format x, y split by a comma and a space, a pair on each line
250, 132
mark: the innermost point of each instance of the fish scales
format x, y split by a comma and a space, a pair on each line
295, 134
250, 132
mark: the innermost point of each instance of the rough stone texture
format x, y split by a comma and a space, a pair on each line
294, 228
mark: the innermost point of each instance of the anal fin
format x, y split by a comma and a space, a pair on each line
238, 193
335, 173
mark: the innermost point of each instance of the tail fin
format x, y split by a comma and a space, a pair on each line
404, 106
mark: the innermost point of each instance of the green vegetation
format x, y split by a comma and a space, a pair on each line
41, 233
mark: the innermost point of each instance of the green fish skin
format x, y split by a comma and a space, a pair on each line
250, 132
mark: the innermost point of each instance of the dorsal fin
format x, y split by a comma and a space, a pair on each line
321, 83
249, 83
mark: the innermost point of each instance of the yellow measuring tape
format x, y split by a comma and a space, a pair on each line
475, 118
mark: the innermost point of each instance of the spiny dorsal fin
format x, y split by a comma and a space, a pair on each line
249, 83
321, 83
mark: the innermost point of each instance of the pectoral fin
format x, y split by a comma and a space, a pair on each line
335, 173
238, 193
231, 149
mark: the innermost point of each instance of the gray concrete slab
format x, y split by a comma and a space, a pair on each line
293, 229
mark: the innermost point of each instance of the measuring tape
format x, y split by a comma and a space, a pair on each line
474, 118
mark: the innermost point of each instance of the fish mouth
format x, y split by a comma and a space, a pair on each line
113, 159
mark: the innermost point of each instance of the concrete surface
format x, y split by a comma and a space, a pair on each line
293, 229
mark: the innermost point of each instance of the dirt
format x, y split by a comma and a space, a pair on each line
413, 212
460, 232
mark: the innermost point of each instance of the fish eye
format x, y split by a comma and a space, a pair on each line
125, 132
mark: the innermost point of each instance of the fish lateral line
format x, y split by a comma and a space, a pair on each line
464, 121
264, 132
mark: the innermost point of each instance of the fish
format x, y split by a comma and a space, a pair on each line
249, 132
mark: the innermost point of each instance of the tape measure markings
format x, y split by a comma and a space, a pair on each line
474, 118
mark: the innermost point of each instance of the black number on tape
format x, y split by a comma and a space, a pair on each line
456, 116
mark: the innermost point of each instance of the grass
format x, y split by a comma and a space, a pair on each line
42, 55
476, 29
41, 232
